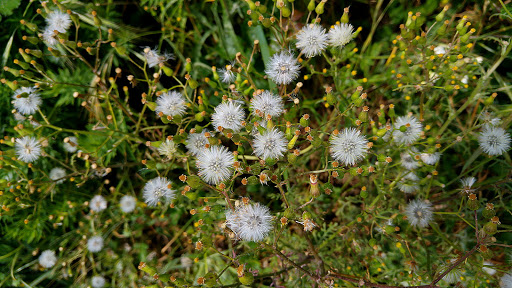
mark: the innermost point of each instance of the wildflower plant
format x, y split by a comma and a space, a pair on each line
255, 143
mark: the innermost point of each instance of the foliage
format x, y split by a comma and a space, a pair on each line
419, 84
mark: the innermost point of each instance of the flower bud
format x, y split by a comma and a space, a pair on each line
320, 7
489, 211
344, 17
311, 5
473, 202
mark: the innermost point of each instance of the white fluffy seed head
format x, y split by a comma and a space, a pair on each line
95, 244
467, 183
412, 131
419, 213
227, 76
409, 183
28, 149
312, 40
430, 158
156, 190
59, 21
49, 38
215, 164
28, 102
250, 222
228, 115
167, 148
153, 58
494, 140
283, 68
268, 104
128, 203
196, 142
340, 35
72, 145
98, 282
58, 174
408, 160
98, 203
272, 144
349, 146
47, 259
171, 103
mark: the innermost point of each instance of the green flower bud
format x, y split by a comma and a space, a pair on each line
253, 180
304, 121
311, 5
320, 7
473, 202
344, 17
330, 99
292, 158
289, 213
489, 211
490, 228
440, 16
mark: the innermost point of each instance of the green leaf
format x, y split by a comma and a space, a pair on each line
7, 6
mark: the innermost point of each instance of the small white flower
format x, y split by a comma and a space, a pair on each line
72, 145
227, 75
272, 144
494, 140
98, 203
128, 203
419, 213
157, 189
26, 100
196, 142
250, 222
349, 146
228, 115
283, 68
408, 159
311, 40
488, 269
412, 129
341, 34
215, 164
465, 79
439, 50
171, 103
153, 58
28, 149
430, 159
58, 174
408, 184
506, 281
467, 183
95, 244
47, 259
268, 104
48, 37
59, 21
98, 282
167, 148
